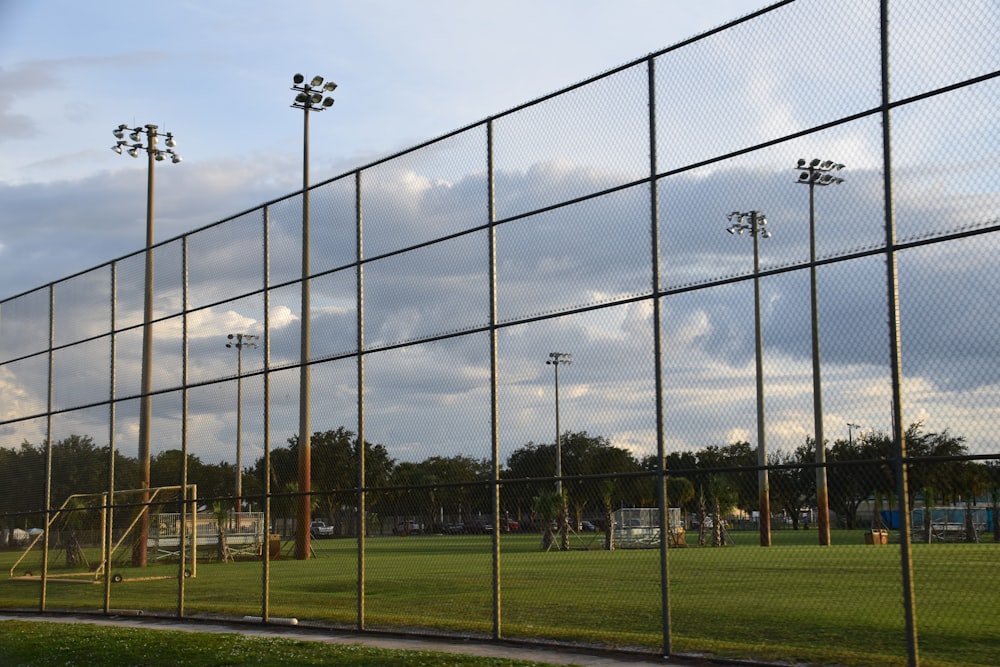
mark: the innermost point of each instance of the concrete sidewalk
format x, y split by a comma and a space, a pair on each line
511, 650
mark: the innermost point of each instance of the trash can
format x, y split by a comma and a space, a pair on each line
273, 546
877, 536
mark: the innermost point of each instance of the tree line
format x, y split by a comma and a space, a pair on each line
598, 477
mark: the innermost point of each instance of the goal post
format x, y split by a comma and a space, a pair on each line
78, 511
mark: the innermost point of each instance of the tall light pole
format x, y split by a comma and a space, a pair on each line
240, 341
755, 224
850, 436
145, 138
308, 97
557, 359
818, 173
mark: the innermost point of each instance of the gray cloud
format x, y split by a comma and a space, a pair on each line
433, 398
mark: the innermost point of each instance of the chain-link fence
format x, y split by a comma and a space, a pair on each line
542, 335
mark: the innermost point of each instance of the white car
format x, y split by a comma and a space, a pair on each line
319, 529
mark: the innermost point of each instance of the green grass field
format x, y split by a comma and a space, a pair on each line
28, 644
794, 601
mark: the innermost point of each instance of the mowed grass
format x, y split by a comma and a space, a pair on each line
794, 601
28, 644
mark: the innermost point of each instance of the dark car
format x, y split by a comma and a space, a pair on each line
587, 527
454, 528
479, 527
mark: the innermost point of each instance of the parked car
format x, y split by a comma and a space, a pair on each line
587, 527
454, 528
319, 530
479, 527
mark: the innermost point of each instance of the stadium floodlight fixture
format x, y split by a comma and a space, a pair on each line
818, 172
753, 222
134, 144
310, 95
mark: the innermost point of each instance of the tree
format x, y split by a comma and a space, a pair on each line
334, 476
793, 485
729, 479
334, 479
680, 491
78, 466
683, 480
24, 491
741, 458
937, 480
592, 457
456, 485
524, 464
213, 480
587, 461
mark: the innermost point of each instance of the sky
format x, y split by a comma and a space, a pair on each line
218, 74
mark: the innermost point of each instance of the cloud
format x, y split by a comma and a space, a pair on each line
433, 398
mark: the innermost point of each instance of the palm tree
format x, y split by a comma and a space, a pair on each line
607, 489
701, 516
74, 519
546, 506
220, 512
993, 481
563, 522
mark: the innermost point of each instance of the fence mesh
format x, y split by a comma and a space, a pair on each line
549, 397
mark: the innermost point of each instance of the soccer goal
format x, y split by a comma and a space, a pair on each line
91, 531
639, 527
